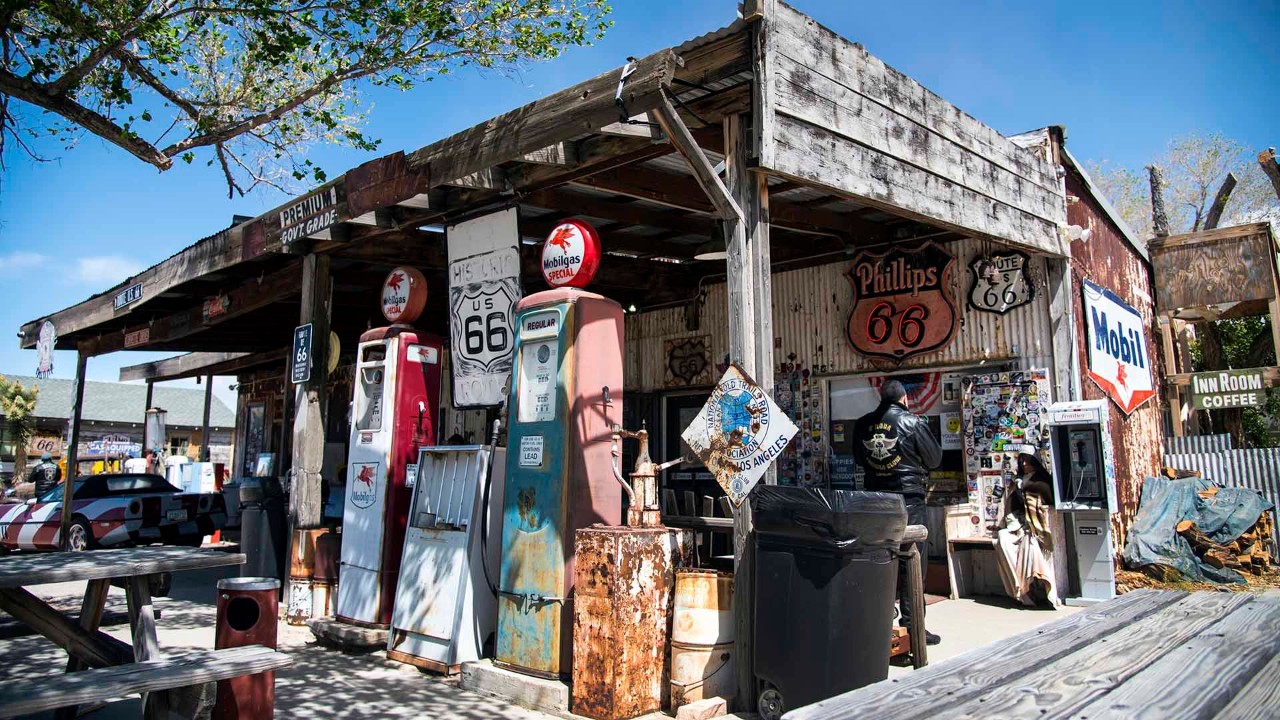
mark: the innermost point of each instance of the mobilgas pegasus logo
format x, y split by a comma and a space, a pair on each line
364, 484
1118, 360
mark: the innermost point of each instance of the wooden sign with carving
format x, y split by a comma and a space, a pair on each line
903, 302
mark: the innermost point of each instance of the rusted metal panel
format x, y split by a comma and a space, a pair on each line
810, 313
1107, 259
625, 577
702, 634
1215, 267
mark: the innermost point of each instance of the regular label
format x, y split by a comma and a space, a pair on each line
531, 451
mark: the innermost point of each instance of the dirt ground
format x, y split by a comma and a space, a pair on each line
1127, 580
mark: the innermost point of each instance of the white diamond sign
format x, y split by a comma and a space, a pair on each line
738, 433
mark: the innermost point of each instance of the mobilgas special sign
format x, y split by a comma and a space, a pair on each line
1117, 343
738, 433
1228, 389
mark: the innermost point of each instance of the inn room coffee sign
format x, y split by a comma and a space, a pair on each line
903, 302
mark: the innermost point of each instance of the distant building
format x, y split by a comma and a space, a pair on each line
113, 417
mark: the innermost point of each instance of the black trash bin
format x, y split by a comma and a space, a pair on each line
262, 527
826, 568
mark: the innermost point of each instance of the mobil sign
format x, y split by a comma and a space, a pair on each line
1117, 342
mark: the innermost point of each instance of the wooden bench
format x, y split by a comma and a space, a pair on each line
38, 694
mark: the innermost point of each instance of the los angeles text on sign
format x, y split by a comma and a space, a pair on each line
1229, 389
308, 216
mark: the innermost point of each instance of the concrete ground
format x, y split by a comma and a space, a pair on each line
325, 683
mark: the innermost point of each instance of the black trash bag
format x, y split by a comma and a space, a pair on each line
848, 521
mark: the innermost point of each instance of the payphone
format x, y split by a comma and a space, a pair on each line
566, 395
397, 389
1085, 490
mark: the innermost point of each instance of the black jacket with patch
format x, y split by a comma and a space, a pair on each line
896, 449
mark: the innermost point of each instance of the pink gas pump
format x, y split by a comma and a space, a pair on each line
396, 393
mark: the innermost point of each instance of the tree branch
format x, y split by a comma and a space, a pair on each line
1220, 202
1159, 219
94, 122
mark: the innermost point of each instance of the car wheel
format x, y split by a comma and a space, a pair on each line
79, 536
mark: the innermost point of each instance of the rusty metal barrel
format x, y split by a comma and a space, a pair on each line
324, 581
302, 554
247, 608
702, 636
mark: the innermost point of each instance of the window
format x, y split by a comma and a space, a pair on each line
178, 444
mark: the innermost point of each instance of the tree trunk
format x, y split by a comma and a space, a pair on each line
1220, 202
1267, 159
1159, 218
1231, 420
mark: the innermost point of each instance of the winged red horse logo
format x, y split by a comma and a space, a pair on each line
366, 475
560, 238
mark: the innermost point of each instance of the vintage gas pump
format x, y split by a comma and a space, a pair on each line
1085, 490
566, 394
397, 389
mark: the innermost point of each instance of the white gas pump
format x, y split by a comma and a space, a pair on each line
445, 609
1085, 490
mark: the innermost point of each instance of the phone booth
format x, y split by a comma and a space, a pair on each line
566, 395
1085, 490
397, 391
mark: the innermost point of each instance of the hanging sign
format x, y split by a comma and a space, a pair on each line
309, 215
1001, 282
1229, 389
903, 304
738, 433
571, 254
1117, 344
46, 339
300, 367
484, 287
129, 295
404, 295
38, 445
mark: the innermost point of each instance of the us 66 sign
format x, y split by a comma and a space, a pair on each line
484, 286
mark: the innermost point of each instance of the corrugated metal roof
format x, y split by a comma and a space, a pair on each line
125, 402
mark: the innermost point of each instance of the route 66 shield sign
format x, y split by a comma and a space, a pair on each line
1001, 282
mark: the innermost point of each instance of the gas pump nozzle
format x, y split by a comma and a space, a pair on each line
644, 479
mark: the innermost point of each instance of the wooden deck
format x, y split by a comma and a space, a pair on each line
1147, 654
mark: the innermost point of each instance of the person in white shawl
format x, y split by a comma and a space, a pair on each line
1026, 544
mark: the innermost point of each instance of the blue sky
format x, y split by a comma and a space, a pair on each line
1123, 77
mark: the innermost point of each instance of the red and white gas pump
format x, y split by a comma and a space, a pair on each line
396, 393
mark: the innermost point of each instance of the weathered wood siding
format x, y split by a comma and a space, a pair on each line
810, 311
1110, 261
1230, 265
837, 116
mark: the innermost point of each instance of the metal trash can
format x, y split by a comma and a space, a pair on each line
262, 527
247, 608
826, 567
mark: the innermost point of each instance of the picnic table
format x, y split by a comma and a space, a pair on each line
101, 667
1146, 654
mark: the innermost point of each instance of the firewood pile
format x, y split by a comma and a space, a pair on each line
1253, 551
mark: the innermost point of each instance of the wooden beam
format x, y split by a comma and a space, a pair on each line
250, 296
73, 444
557, 117
309, 419
1267, 160
188, 365
95, 649
204, 425
702, 169
625, 212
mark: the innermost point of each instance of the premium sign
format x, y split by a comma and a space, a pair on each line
484, 287
1117, 343
1229, 389
738, 433
903, 303
131, 294
313, 213
404, 295
571, 254
1001, 282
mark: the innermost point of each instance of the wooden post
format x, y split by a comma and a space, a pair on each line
309, 418
1171, 367
1062, 322
204, 426
68, 481
751, 346
151, 389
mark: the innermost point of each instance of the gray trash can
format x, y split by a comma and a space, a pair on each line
826, 568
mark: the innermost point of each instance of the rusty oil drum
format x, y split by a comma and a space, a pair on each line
702, 634
247, 610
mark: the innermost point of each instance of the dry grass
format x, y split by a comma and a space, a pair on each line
1127, 580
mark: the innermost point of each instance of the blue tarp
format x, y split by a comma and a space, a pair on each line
1225, 516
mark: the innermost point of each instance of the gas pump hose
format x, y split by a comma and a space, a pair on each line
484, 505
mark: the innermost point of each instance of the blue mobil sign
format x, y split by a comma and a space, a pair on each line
1118, 353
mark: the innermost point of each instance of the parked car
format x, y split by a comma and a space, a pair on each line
113, 509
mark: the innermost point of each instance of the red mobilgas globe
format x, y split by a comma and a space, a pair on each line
571, 255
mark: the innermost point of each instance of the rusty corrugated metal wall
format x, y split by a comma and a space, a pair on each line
1108, 260
810, 309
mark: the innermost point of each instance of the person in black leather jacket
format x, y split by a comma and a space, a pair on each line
896, 451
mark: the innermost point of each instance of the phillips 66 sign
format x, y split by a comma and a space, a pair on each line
484, 286
902, 302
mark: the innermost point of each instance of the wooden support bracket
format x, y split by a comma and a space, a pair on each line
683, 141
